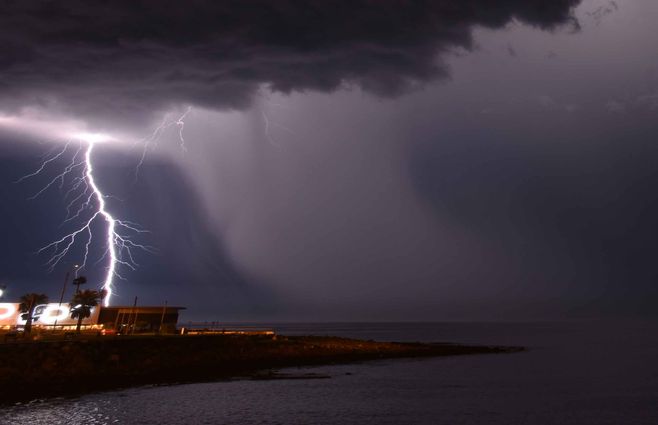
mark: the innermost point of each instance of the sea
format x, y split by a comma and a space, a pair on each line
578, 372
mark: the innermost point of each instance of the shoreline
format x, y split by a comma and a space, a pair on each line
42, 369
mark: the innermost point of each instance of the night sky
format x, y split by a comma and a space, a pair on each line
345, 160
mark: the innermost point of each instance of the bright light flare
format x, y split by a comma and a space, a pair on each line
92, 138
60, 131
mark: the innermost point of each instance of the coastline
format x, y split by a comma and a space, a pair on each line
42, 369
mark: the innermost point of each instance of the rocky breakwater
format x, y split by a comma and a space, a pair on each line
33, 369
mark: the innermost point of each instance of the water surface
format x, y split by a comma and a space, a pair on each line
574, 373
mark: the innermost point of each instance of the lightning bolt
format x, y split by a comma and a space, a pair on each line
151, 142
87, 194
87, 205
267, 132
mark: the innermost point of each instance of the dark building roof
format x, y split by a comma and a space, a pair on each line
142, 309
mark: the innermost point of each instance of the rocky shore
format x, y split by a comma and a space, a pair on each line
36, 369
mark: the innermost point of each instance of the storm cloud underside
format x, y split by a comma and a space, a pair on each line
456, 200
123, 61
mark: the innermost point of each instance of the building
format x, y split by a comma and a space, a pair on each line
132, 319
139, 319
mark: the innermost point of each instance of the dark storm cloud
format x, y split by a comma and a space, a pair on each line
121, 59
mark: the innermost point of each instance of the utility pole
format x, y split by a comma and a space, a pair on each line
132, 329
164, 310
61, 297
79, 280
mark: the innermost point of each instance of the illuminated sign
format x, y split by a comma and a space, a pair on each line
44, 314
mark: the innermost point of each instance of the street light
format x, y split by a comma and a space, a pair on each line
2, 290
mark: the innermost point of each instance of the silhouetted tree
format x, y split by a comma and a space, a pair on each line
80, 280
28, 303
82, 303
